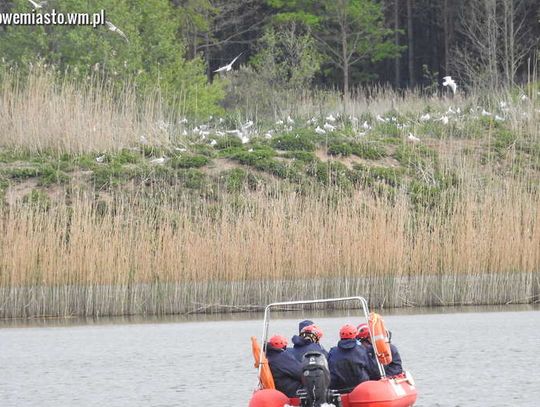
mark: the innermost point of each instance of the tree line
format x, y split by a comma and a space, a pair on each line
285, 44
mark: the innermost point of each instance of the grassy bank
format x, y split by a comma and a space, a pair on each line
408, 200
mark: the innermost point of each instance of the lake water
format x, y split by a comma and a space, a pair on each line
469, 358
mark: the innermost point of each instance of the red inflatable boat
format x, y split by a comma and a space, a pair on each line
396, 391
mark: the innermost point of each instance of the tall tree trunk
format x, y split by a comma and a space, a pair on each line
412, 79
345, 62
397, 67
446, 34
511, 43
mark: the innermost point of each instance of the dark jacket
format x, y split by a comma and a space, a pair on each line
393, 369
348, 363
286, 370
302, 345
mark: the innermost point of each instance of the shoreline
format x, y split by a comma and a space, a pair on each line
162, 299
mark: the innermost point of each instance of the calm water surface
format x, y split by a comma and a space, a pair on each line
457, 358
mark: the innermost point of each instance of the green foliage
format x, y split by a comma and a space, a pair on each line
228, 142
235, 179
189, 161
20, 173
331, 173
193, 178
52, 175
287, 58
372, 175
246, 157
153, 58
296, 141
503, 140
341, 149
37, 198
304, 156
286, 63
126, 157
414, 155
368, 150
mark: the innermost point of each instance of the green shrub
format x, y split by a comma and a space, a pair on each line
193, 178
22, 172
413, 155
273, 167
235, 179
294, 142
228, 142
51, 175
503, 140
368, 150
250, 157
389, 129
109, 175
189, 161
342, 149
126, 157
331, 173
304, 156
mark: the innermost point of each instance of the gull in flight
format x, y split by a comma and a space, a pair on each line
39, 5
448, 81
117, 30
228, 67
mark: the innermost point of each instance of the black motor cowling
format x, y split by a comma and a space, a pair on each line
316, 380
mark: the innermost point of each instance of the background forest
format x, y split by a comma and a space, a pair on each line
350, 45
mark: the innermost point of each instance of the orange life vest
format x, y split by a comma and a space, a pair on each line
380, 337
266, 379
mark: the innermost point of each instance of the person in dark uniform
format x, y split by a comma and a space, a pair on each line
286, 370
392, 369
348, 361
307, 341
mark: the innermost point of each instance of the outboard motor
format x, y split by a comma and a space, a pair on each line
316, 380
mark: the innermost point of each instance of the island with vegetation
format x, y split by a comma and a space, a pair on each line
137, 177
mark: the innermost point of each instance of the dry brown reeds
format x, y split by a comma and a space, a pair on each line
479, 245
179, 257
44, 111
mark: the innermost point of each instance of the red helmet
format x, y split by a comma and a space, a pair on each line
363, 332
312, 330
348, 332
278, 342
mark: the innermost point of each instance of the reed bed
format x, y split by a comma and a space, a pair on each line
43, 112
167, 251
179, 256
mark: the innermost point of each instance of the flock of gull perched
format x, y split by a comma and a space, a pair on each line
332, 123
413, 127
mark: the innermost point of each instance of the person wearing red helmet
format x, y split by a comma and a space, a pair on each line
348, 361
393, 369
286, 370
307, 341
